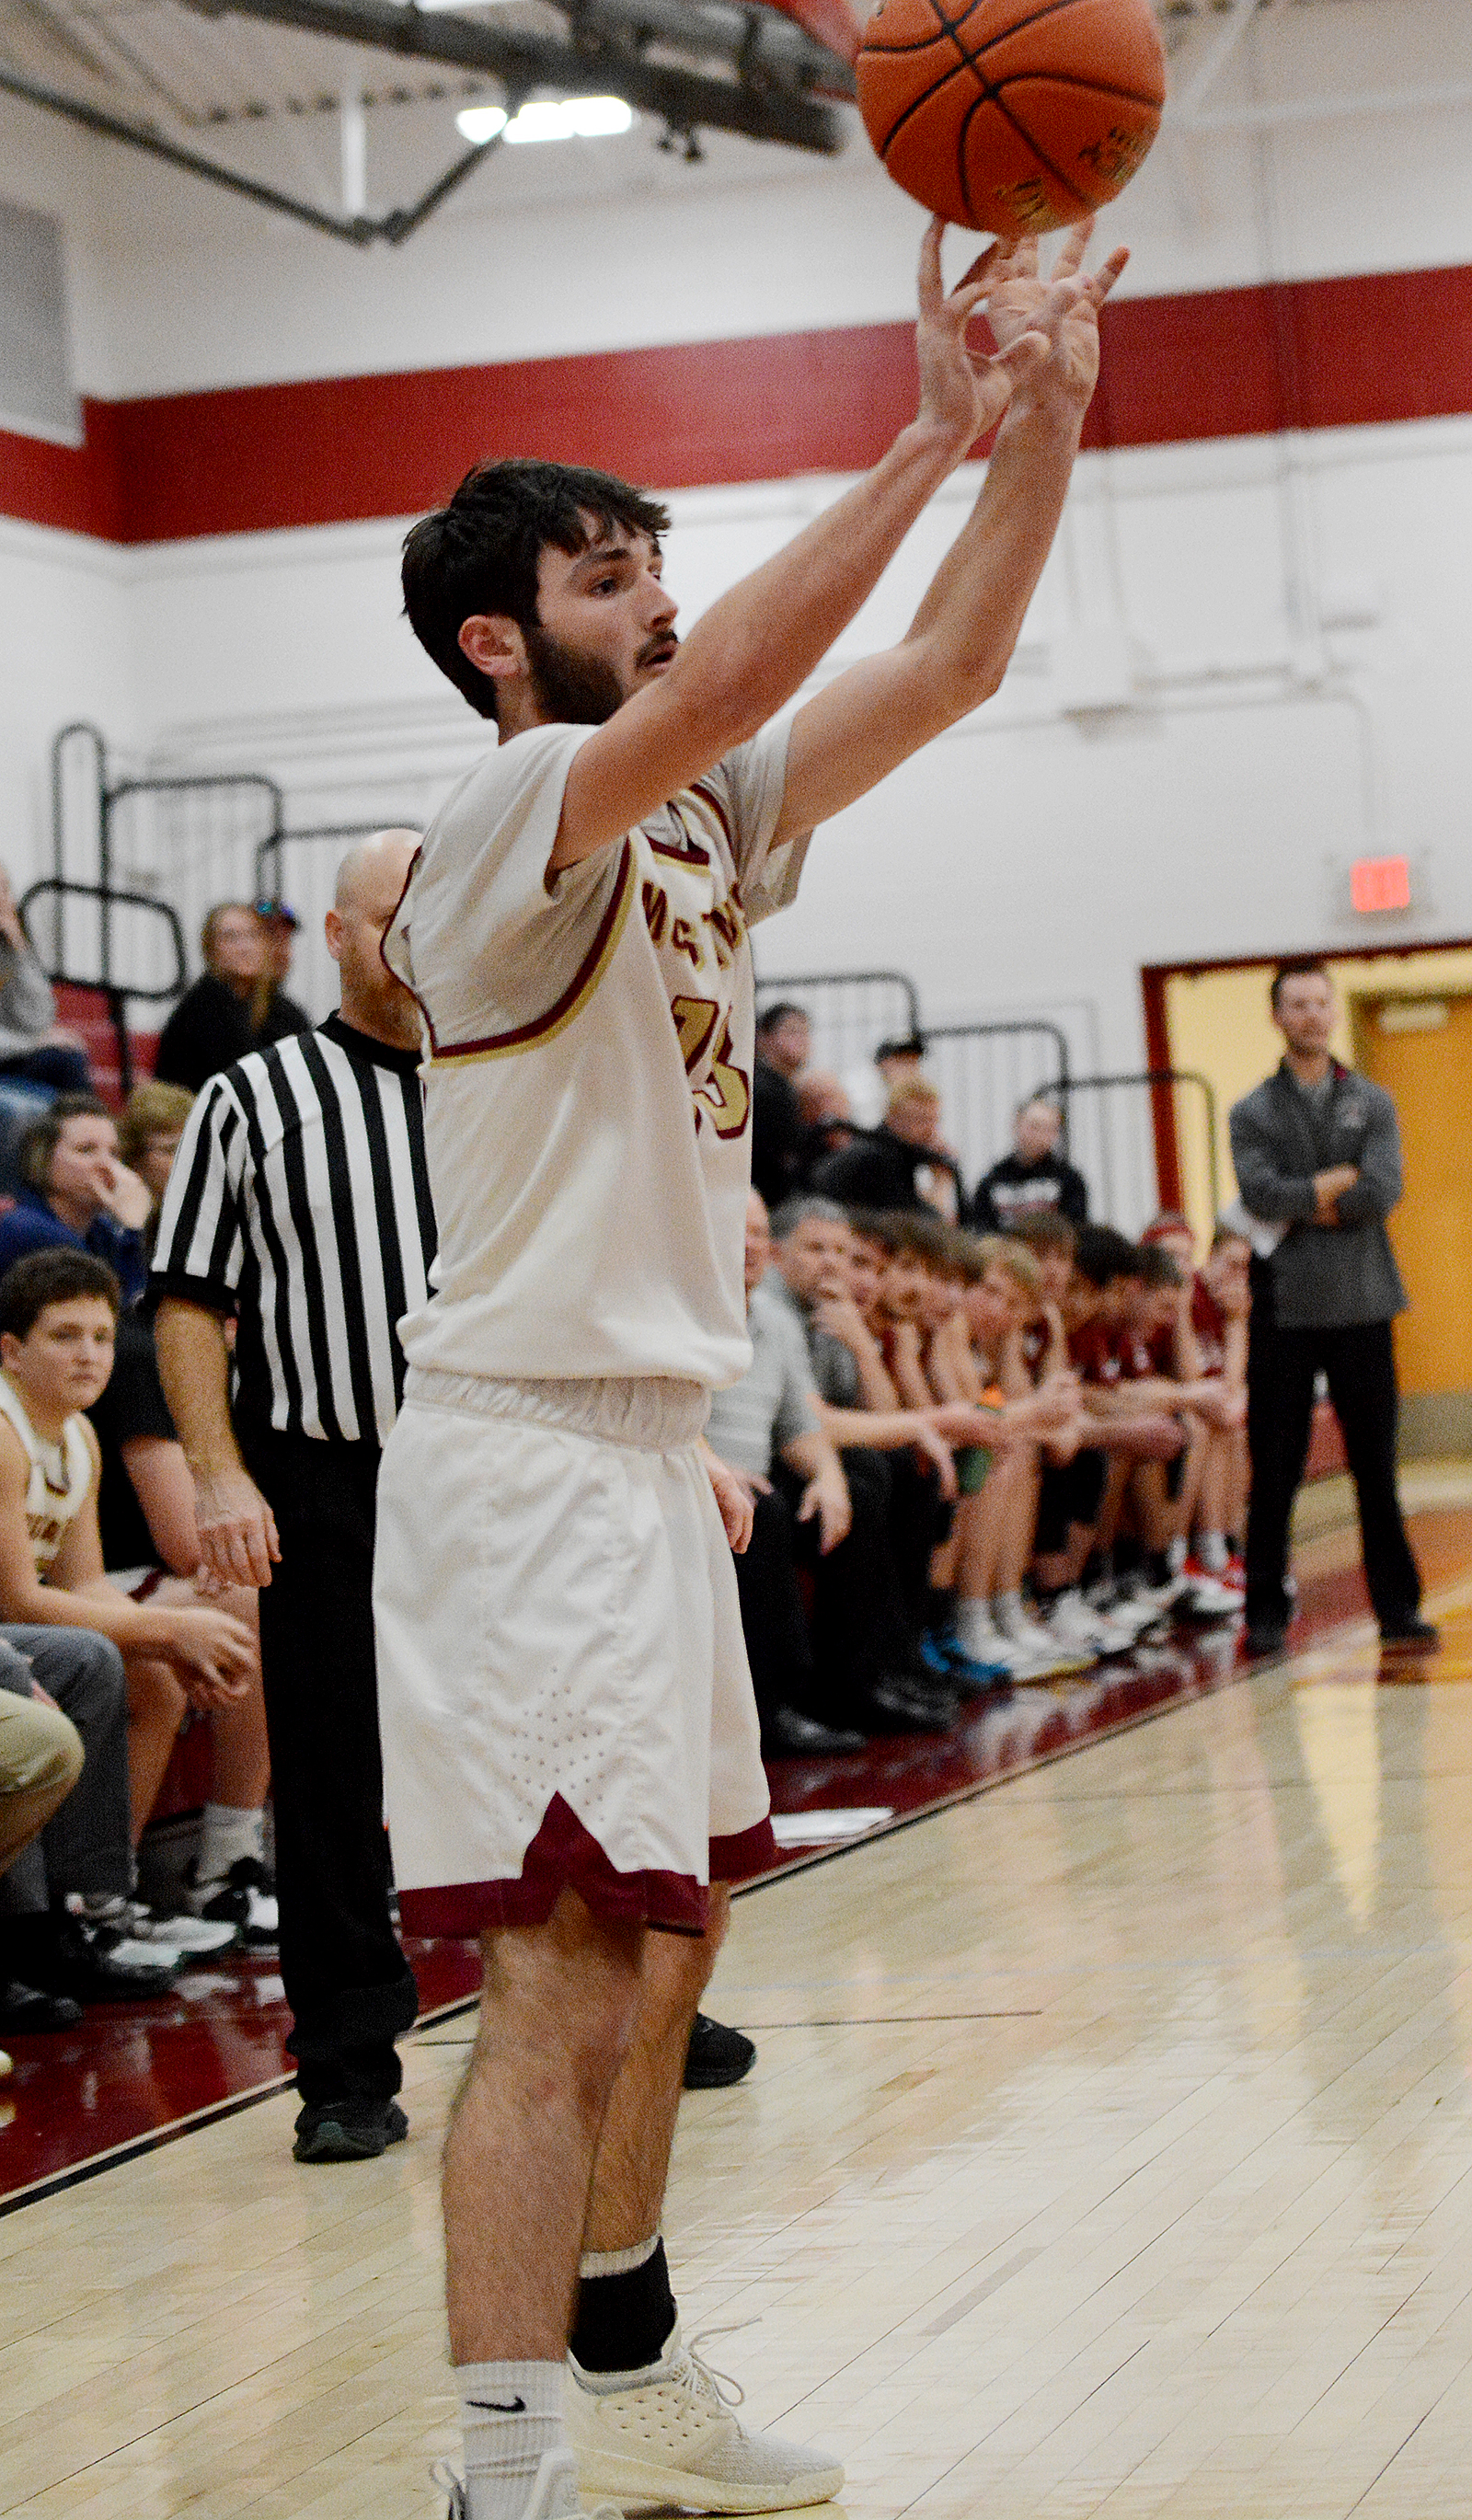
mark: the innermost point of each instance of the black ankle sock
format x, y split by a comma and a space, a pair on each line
623, 2321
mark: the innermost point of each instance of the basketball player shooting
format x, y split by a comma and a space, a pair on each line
571, 1740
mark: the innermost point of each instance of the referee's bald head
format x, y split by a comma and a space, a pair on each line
365, 867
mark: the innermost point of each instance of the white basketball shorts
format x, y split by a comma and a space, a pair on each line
564, 1688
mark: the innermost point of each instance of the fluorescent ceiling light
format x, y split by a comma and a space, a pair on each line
574, 118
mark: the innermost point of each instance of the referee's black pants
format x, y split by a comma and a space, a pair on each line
349, 1987
1359, 1363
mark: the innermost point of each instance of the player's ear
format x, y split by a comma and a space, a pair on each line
494, 642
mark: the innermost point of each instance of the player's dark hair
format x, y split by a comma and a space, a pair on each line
39, 1143
1103, 1255
1156, 1267
907, 1044
1047, 1230
56, 1277
481, 553
1304, 966
779, 1011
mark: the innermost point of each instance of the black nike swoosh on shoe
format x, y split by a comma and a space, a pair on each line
494, 2407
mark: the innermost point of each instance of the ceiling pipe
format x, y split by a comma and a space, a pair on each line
1206, 74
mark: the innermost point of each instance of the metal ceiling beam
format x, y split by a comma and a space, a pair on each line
597, 59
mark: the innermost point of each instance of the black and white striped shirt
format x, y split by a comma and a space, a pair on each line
299, 1202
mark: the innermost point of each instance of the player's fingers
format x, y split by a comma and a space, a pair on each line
273, 1540
932, 291
979, 275
1107, 274
1021, 356
1073, 249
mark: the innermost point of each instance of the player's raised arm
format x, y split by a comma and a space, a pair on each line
758, 644
956, 649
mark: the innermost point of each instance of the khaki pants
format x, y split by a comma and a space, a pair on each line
40, 1761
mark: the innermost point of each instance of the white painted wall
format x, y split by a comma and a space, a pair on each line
1042, 852
1031, 860
607, 244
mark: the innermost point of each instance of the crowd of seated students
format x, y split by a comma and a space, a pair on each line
999, 1456
108, 1638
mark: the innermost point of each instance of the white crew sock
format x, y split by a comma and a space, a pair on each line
511, 2414
974, 1629
1010, 1614
1174, 1555
1213, 1552
226, 1836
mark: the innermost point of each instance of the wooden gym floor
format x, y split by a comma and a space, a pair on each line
1109, 2151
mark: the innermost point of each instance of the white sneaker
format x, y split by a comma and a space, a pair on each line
194, 1936
1205, 1597
554, 2496
1072, 1624
1010, 1620
673, 2438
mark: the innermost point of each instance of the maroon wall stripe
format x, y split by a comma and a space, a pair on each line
1226, 363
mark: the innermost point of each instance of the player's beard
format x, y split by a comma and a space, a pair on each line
573, 689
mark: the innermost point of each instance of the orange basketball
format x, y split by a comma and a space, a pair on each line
1013, 116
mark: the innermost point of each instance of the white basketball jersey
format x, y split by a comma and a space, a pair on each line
61, 1475
588, 1080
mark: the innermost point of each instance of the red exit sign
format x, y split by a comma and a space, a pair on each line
1380, 883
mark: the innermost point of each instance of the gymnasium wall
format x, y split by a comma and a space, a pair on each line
1246, 665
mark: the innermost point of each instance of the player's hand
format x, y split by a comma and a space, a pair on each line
1329, 1188
1064, 309
841, 1317
965, 391
212, 1654
938, 1453
826, 1496
237, 1536
734, 1497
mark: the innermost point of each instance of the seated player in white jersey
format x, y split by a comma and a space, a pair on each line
58, 1317
570, 1744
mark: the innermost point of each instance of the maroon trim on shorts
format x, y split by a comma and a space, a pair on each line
563, 1856
749, 1850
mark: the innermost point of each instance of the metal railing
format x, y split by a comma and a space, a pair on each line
59, 889
1120, 1155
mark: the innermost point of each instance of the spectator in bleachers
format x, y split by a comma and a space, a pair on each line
76, 1193
214, 1022
783, 1041
150, 1127
826, 1113
58, 1320
882, 1170
34, 1049
1034, 1179
274, 1013
864, 1673
897, 1060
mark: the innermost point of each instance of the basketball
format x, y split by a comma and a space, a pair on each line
1010, 115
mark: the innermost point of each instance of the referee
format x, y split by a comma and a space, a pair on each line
298, 1208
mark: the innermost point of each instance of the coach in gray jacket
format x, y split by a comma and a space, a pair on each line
1318, 1155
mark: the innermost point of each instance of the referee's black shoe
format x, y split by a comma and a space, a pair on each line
716, 2056
1409, 1637
349, 2131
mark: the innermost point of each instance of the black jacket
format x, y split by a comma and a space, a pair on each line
1013, 1190
208, 1029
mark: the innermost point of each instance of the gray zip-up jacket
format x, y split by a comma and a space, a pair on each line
1324, 1276
27, 1008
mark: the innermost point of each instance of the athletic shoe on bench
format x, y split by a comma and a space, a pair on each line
191, 1937
349, 2131
244, 1897
1080, 1628
672, 2437
102, 1965
555, 2496
1206, 1597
